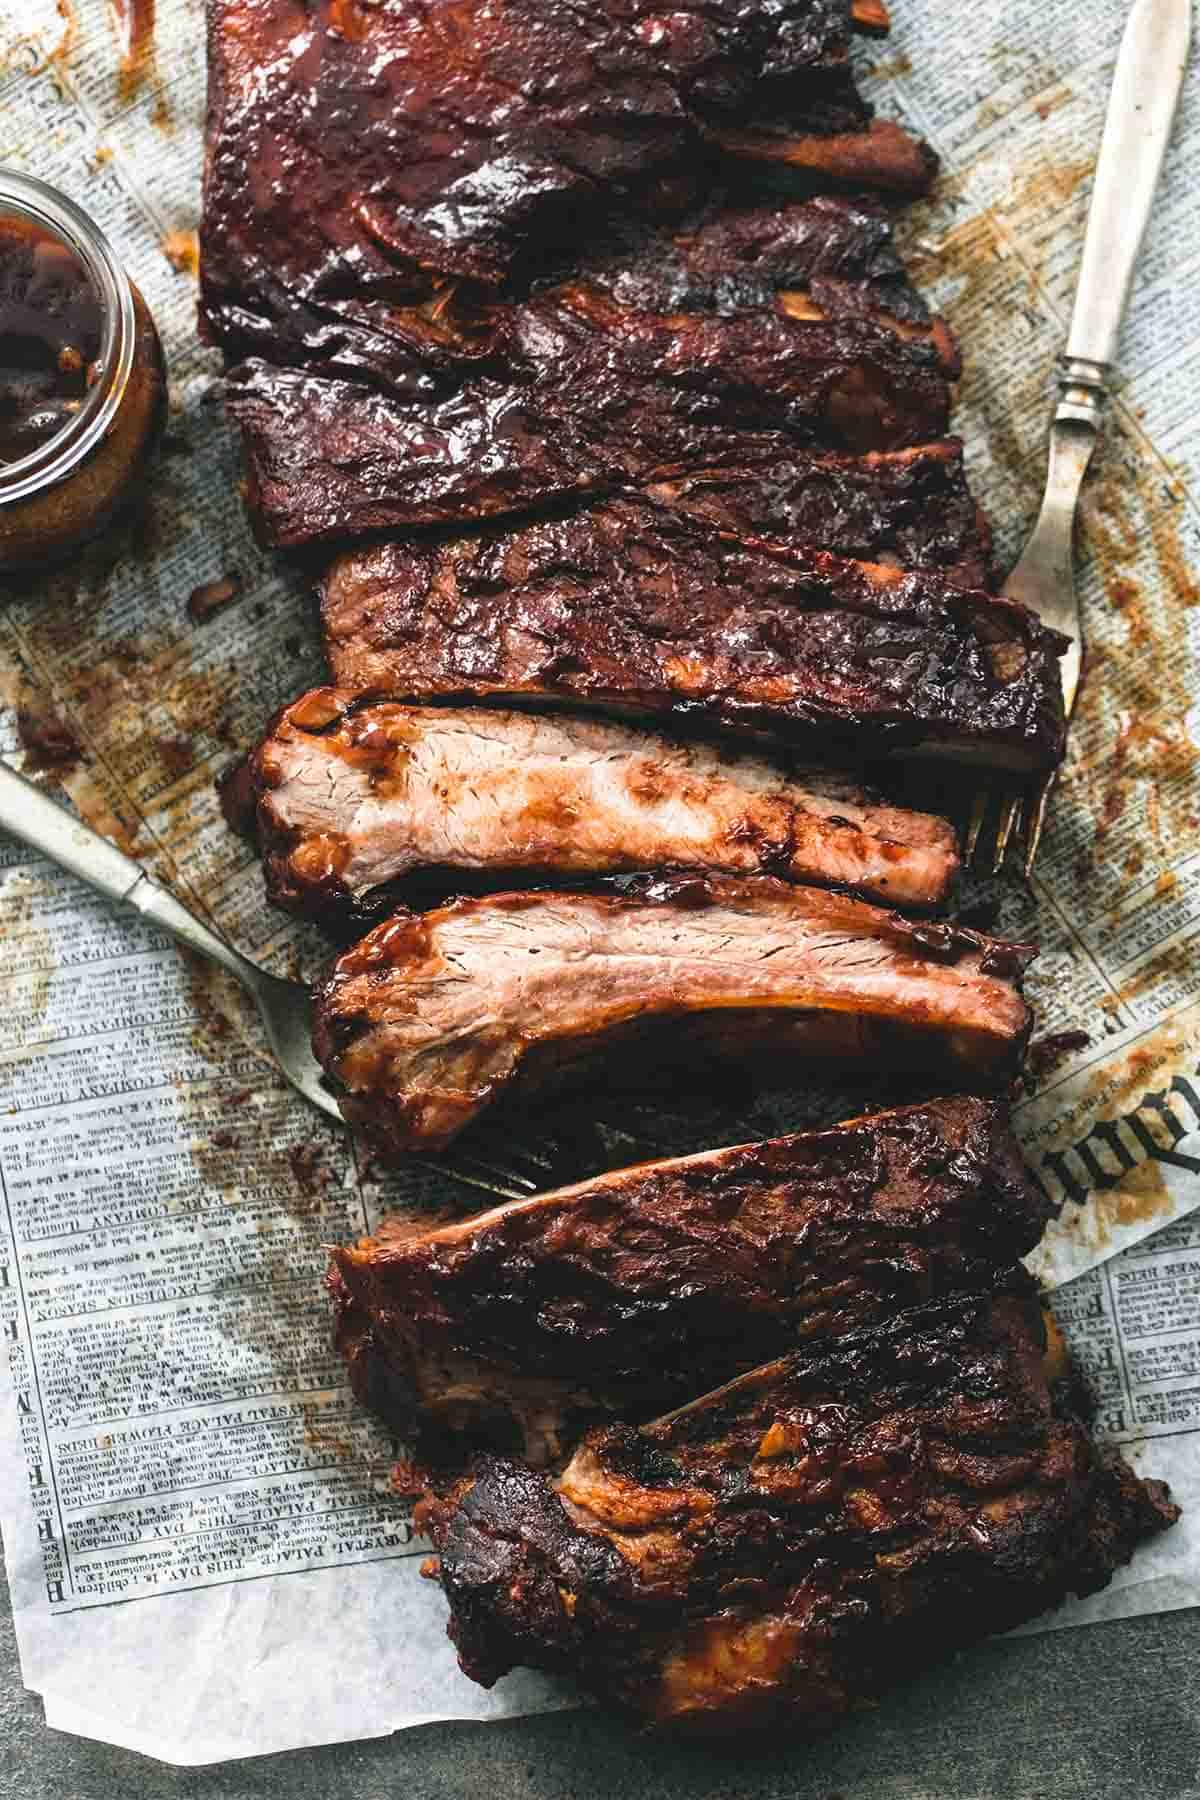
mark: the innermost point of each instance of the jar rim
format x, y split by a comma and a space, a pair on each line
58, 215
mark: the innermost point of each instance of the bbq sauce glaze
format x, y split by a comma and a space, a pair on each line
51, 327
82, 380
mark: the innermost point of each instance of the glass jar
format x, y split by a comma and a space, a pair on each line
82, 379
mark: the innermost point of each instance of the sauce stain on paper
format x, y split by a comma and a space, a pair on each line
177, 753
1120, 1086
972, 247
1050, 103
1133, 759
1177, 576
65, 47
53, 748
1177, 961
1141, 1195
155, 717
318, 1436
891, 67
313, 1176
1044, 191
224, 1016
60, 52
133, 24
48, 743
96, 809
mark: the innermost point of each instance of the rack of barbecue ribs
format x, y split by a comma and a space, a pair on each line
893, 1461
557, 318
432, 1018
624, 1295
452, 289
625, 479
784, 1549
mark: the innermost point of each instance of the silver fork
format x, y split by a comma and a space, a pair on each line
508, 1170
1141, 108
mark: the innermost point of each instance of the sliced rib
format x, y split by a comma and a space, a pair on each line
428, 1020
782, 1551
583, 394
828, 255
348, 797
637, 607
624, 1294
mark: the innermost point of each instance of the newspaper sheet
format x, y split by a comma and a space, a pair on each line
204, 1557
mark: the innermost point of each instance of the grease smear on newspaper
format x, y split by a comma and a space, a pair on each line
204, 1558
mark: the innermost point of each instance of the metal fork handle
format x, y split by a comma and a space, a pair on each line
29, 814
1145, 92
1137, 128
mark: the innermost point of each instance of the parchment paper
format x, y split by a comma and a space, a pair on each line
204, 1556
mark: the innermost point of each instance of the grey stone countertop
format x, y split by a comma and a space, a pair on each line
1105, 1712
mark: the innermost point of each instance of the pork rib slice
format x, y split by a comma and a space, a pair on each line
828, 256
427, 1021
623, 1294
587, 395
350, 796
785, 1549
351, 146
634, 606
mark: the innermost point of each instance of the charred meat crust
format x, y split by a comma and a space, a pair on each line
589, 397
427, 1021
634, 607
732, 256
626, 1294
782, 1551
908, 507
739, 255
357, 803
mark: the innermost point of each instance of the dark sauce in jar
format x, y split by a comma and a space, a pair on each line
51, 325
82, 379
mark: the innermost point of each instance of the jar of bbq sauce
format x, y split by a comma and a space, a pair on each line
82, 380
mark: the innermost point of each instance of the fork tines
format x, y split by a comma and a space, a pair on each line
512, 1164
510, 1172
522, 1158
1006, 824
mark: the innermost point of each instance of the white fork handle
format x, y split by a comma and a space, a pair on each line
1141, 108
